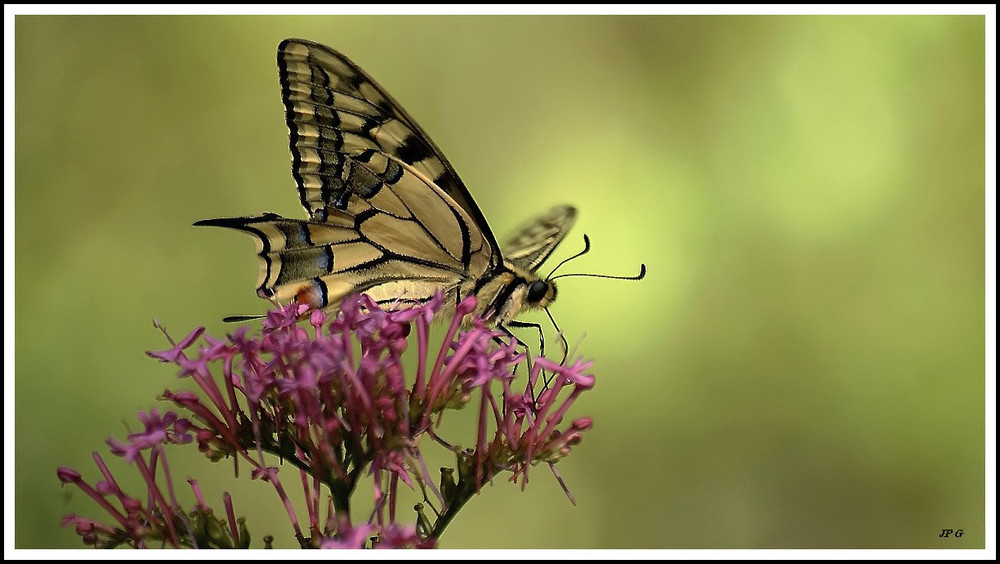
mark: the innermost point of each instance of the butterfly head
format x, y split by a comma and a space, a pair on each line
540, 293
515, 291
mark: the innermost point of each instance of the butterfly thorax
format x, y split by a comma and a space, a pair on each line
510, 291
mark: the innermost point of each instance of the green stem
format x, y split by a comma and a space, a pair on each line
466, 488
463, 494
340, 491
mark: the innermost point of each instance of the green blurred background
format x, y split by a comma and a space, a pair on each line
802, 367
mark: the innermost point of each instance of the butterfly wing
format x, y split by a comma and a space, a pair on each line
337, 115
536, 240
388, 215
406, 242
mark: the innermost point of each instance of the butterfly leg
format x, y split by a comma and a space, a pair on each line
541, 343
520, 344
536, 327
541, 346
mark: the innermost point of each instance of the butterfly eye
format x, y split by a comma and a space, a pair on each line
537, 291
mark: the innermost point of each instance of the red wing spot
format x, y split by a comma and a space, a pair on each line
310, 296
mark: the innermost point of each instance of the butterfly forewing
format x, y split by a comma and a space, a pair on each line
334, 112
536, 240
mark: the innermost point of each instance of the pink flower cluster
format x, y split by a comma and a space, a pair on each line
333, 400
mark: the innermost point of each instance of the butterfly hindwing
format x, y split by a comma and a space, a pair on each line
409, 240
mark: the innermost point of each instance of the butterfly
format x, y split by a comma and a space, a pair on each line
388, 215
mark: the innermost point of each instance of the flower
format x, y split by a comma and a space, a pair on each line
331, 399
158, 517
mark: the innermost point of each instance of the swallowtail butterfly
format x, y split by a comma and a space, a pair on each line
388, 215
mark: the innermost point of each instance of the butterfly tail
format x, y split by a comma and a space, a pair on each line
299, 259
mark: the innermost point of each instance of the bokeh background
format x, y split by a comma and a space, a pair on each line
802, 367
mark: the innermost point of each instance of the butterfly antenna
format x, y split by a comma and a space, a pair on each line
640, 276
586, 249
